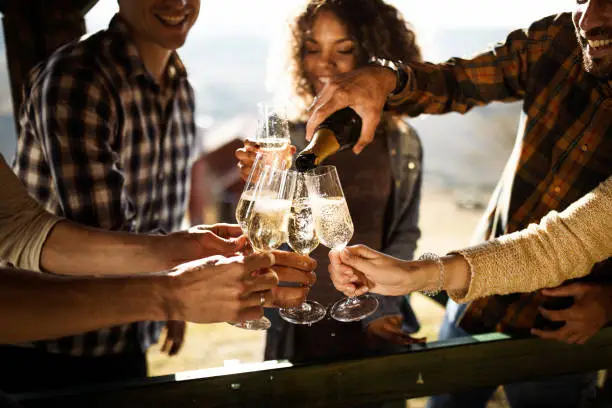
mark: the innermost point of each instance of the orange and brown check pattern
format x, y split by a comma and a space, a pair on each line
563, 148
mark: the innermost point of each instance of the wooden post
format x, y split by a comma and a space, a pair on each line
33, 29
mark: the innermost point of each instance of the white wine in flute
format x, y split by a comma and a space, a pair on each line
274, 152
267, 225
243, 208
245, 205
332, 221
302, 237
272, 144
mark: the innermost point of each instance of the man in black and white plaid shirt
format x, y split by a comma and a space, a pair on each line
107, 139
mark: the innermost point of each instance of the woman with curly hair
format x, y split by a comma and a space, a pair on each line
329, 37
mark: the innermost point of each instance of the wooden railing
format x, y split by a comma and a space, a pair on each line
422, 370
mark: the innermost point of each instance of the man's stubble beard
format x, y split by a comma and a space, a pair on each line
601, 68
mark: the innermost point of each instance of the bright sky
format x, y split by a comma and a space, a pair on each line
262, 17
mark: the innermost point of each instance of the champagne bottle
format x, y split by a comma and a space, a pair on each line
339, 131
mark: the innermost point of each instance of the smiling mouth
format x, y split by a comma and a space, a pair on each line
598, 44
172, 21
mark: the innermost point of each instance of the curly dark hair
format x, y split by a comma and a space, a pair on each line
378, 29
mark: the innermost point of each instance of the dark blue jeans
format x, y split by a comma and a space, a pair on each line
573, 390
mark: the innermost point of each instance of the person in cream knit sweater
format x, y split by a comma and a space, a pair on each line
562, 246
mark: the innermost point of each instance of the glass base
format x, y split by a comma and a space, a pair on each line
308, 313
352, 309
260, 324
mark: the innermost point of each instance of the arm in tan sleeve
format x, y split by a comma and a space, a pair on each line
562, 246
24, 224
33, 239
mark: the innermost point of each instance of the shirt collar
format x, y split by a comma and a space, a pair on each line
131, 58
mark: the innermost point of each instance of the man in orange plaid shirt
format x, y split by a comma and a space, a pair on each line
561, 68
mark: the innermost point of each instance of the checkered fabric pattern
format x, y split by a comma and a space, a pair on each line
103, 144
563, 147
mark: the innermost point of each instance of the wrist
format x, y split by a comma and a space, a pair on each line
435, 278
431, 276
400, 76
166, 297
387, 78
174, 249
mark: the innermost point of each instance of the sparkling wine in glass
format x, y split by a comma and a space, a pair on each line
303, 239
247, 198
334, 228
268, 218
272, 134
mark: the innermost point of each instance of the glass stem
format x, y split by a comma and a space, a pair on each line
304, 307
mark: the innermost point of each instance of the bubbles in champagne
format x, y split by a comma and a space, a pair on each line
243, 208
272, 144
302, 237
332, 221
274, 152
267, 225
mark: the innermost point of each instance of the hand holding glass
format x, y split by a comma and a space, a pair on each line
267, 218
334, 228
302, 238
272, 134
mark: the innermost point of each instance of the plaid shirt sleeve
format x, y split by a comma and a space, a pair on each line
458, 85
77, 121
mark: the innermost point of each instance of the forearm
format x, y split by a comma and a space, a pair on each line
449, 87
73, 249
563, 246
24, 224
460, 84
39, 306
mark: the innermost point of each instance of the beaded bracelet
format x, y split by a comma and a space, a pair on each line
433, 257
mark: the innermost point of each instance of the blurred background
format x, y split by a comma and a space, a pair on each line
226, 56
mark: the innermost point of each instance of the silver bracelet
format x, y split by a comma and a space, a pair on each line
433, 257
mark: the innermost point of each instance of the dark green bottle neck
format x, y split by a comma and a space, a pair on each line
305, 162
346, 126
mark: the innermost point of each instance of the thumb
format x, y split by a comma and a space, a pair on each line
360, 257
575, 289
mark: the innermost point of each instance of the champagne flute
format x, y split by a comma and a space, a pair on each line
247, 198
272, 133
273, 136
334, 228
268, 219
302, 238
